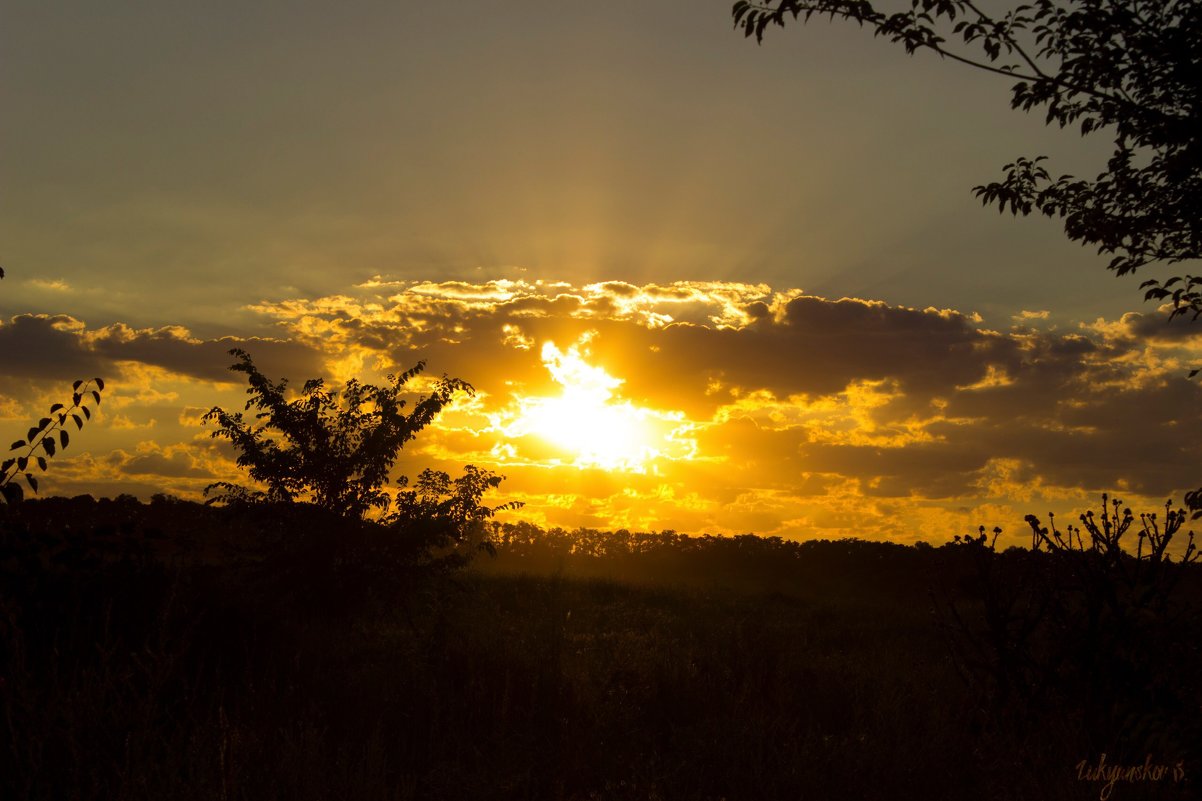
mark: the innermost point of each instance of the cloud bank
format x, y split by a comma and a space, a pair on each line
764, 410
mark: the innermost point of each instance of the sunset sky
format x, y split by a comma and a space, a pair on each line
697, 283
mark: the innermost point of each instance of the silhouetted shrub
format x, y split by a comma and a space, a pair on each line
334, 450
1083, 629
330, 454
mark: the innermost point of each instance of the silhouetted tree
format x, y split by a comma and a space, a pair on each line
334, 450
1132, 67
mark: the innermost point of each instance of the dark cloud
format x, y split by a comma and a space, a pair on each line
60, 347
818, 347
537, 305
1046, 371
1150, 454
1159, 328
619, 288
177, 465
43, 346
172, 349
928, 470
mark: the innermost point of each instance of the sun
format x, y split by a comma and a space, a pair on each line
590, 424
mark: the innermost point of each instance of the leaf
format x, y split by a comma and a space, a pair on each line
45, 421
78, 421
33, 482
76, 385
85, 411
22, 463
75, 399
48, 444
31, 433
42, 463
13, 493
96, 395
18, 444
55, 408
63, 439
99, 382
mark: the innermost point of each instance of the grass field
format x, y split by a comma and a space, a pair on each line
134, 668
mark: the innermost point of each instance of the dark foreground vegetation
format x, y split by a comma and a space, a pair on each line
175, 651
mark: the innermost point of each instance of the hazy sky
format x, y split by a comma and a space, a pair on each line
176, 178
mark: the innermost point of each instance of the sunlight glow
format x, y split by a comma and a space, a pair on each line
588, 422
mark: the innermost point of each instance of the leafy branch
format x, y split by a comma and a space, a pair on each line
1130, 67
47, 437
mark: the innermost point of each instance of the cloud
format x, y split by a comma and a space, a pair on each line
1027, 315
912, 401
670, 340
122, 423
149, 458
175, 349
781, 412
43, 346
60, 347
1158, 328
51, 285
178, 465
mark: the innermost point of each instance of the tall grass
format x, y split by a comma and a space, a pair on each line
144, 674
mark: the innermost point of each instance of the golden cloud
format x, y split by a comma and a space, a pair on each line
702, 406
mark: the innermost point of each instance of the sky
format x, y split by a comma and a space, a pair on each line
696, 283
